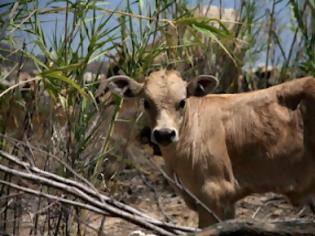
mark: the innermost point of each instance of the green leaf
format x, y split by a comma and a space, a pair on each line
57, 75
215, 38
204, 23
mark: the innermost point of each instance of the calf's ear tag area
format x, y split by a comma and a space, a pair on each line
124, 86
202, 85
200, 89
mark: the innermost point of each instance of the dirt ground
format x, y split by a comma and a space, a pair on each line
145, 188
151, 193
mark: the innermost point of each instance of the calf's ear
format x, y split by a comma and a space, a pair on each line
124, 86
202, 85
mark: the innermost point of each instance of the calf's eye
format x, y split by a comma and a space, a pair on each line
181, 104
146, 104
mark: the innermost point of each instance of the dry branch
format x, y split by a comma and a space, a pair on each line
259, 228
176, 181
91, 199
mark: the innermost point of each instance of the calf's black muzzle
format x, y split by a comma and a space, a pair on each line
164, 136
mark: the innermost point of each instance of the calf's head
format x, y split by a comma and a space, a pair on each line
164, 96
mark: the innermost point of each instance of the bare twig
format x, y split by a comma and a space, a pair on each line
157, 199
83, 196
18, 84
254, 227
179, 185
90, 188
256, 212
91, 200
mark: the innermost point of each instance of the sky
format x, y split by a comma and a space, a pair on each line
110, 4
55, 22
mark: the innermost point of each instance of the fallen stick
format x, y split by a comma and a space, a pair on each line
93, 200
261, 228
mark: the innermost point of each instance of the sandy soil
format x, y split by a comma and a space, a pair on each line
152, 194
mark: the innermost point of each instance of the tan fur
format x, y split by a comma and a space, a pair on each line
233, 145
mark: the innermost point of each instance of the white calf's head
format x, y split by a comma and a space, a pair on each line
164, 96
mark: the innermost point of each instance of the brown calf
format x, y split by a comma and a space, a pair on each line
224, 147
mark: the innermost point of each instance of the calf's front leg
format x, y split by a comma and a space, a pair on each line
218, 197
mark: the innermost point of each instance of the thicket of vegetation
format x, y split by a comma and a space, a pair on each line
57, 117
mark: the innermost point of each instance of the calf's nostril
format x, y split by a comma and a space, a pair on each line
156, 135
164, 136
